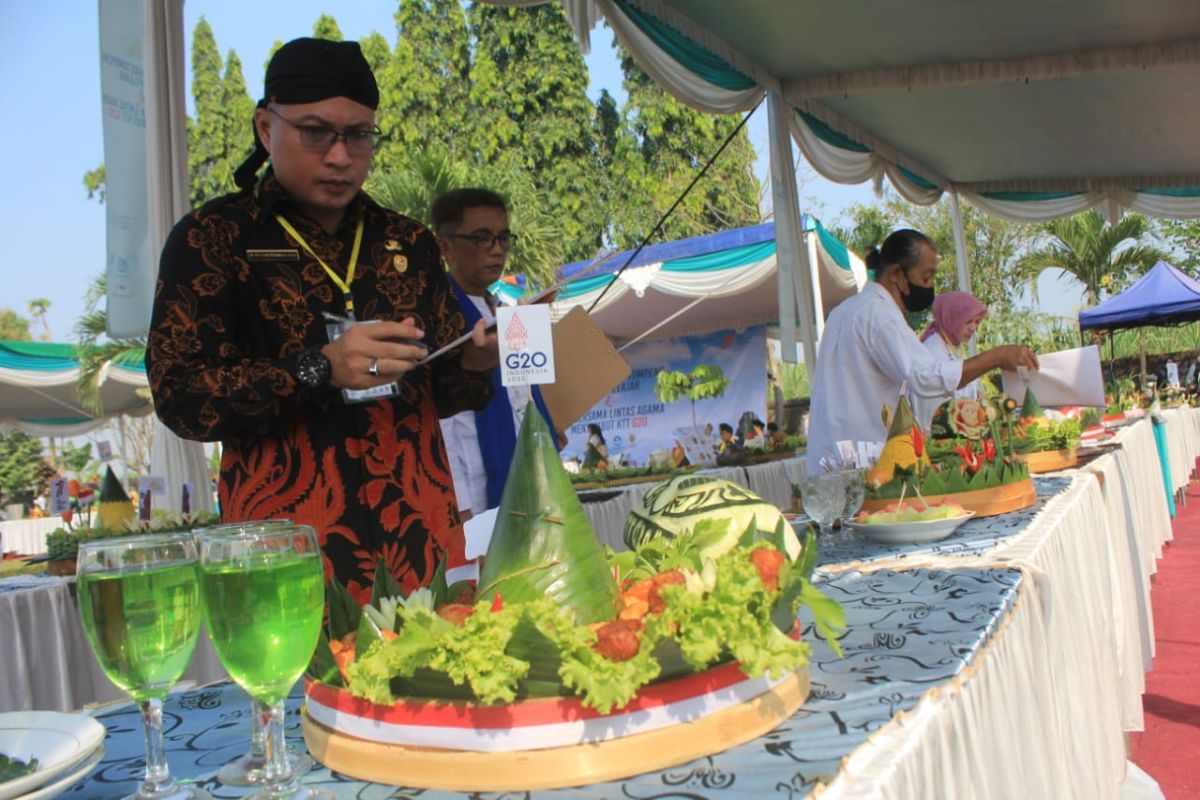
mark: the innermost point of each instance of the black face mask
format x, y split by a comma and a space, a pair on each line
918, 298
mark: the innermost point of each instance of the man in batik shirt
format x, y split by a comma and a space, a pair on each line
245, 346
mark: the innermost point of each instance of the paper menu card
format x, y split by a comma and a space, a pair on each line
1066, 378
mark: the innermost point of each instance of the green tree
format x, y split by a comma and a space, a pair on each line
326, 27
529, 91
13, 327
1182, 240
37, 310
430, 71
75, 459
671, 144
1100, 256
219, 135
23, 468
94, 353
94, 181
704, 381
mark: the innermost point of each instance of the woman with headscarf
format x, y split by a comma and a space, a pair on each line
956, 315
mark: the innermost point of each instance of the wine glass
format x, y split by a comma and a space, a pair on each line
140, 606
824, 498
249, 769
263, 592
855, 481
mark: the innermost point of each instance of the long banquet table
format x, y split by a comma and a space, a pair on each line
1004, 662
27, 536
45, 663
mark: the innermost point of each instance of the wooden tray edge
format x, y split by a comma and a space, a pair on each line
573, 765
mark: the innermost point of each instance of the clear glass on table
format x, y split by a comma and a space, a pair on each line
263, 593
140, 606
250, 769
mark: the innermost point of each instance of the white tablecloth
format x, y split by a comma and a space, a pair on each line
27, 536
1067, 672
45, 661
1183, 443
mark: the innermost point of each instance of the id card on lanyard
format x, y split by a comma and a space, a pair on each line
336, 325
334, 328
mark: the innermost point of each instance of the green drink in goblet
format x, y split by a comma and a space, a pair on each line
250, 769
139, 602
263, 592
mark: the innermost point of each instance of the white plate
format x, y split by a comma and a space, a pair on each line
57, 740
928, 530
69, 780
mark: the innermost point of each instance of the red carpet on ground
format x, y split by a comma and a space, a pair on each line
1169, 749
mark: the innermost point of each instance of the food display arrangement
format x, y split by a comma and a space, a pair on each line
1045, 445
106, 514
567, 664
979, 472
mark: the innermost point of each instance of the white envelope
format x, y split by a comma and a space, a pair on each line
1066, 378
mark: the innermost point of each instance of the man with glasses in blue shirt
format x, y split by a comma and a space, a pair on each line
473, 232
259, 337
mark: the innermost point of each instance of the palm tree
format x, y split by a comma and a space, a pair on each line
1098, 255
37, 310
432, 170
93, 354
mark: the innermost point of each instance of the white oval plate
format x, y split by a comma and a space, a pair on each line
920, 531
59, 742
66, 782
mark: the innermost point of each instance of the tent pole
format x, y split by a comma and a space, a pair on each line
960, 253
1142, 354
795, 288
814, 275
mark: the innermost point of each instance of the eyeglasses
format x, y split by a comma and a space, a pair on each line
484, 240
319, 138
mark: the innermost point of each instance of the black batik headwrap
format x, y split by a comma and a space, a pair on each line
306, 71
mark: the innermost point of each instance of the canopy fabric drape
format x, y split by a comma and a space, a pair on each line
39, 397
1098, 115
732, 273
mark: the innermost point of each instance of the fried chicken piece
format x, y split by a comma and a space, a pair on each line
618, 640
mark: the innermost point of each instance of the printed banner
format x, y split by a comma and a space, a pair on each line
129, 265
635, 423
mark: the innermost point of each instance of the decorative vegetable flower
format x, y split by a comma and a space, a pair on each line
970, 459
918, 441
989, 449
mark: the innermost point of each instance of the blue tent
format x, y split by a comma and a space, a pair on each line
1163, 296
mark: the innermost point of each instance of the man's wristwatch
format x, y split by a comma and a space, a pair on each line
311, 368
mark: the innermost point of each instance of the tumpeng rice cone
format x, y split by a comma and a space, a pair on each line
543, 543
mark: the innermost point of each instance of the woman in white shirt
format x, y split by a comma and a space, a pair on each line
956, 315
868, 352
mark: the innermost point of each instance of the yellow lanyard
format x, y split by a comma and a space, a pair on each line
344, 285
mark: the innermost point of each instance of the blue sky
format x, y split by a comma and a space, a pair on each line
49, 55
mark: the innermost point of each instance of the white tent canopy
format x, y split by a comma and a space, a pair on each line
706, 283
39, 397
1029, 110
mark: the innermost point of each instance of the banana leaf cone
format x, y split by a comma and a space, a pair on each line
543, 544
1030, 408
903, 420
113, 507
905, 446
